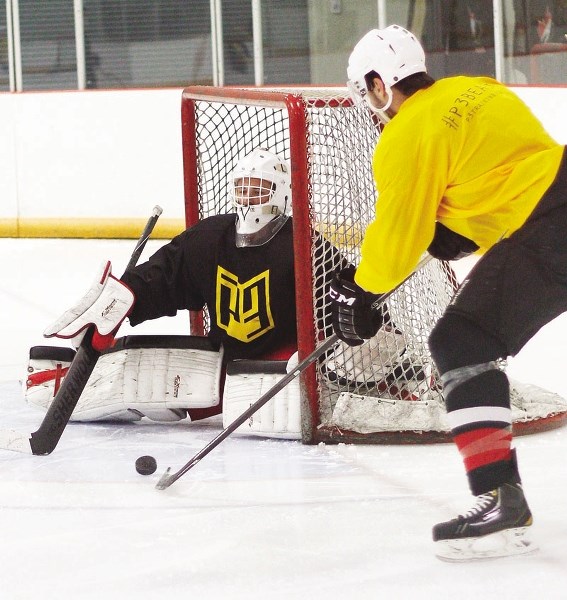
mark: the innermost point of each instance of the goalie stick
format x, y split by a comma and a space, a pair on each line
45, 439
168, 479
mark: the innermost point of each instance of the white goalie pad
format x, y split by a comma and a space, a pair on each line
158, 377
246, 381
105, 305
367, 414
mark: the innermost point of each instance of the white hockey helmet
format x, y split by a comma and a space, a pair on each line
394, 53
260, 189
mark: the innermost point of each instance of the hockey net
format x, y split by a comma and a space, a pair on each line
387, 390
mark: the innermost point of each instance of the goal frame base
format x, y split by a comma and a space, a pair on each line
333, 435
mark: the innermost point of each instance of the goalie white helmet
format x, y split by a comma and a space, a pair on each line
260, 188
394, 53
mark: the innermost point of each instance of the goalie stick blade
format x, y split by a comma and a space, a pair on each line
17, 442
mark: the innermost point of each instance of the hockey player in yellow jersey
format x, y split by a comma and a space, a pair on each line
462, 165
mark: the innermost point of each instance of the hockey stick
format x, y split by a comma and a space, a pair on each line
144, 237
44, 440
167, 479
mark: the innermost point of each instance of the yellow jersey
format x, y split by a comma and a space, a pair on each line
466, 152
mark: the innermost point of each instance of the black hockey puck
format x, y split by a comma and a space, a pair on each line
146, 465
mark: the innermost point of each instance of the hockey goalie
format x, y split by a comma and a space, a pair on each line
240, 267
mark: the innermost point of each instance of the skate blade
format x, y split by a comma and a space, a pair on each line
510, 542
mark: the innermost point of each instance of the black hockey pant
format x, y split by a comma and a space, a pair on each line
516, 288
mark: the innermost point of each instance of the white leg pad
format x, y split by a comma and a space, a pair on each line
280, 417
154, 382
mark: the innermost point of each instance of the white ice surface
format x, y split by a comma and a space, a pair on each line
256, 519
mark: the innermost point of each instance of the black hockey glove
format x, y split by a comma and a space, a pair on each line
448, 245
353, 318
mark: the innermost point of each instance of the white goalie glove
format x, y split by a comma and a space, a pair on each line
107, 303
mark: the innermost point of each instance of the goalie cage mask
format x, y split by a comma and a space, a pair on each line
260, 189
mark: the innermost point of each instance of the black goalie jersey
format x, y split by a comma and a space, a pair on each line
249, 292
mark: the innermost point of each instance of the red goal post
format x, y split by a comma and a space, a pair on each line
386, 391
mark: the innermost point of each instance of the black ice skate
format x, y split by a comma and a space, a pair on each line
495, 527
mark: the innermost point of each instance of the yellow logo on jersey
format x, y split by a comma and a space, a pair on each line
243, 309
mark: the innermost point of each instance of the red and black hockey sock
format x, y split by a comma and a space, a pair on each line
478, 401
480, 418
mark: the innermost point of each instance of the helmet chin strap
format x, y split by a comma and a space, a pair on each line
381, 112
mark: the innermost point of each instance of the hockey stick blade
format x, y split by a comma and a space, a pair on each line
45, 439
169, 478
166, 479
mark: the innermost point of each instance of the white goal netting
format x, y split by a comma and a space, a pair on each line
387, 389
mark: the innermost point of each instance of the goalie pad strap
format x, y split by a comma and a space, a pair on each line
44, 376
59, 353
235, 367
